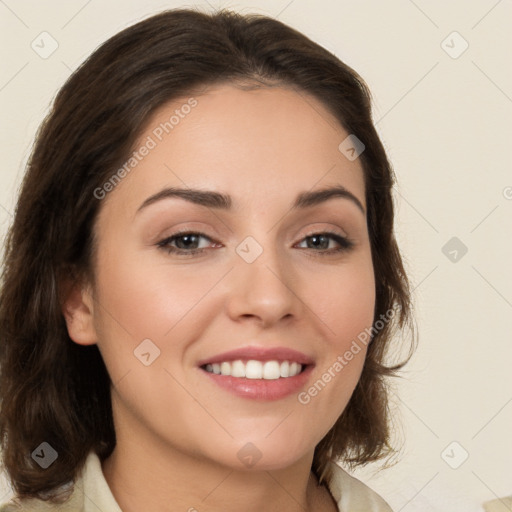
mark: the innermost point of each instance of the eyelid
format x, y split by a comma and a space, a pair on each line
326, 231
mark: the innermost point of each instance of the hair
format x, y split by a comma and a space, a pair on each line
57, 391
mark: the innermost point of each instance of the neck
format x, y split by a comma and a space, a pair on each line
143, 477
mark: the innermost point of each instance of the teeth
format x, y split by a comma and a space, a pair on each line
225, 368
268, 370
253, 370
237, 369
271, 370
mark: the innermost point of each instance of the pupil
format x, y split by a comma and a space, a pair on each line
317, 241
188, 239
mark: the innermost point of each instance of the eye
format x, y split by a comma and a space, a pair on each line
321, 243
186, 243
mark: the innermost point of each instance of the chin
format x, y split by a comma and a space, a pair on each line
260, 453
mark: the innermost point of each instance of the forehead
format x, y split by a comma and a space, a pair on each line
258, 145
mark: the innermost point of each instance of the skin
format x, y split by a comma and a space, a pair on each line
178, 433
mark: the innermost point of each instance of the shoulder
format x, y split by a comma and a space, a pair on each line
499, 505
34, 505
352, 495
90, 482
72, 500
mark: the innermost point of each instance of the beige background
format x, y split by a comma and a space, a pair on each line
446, 124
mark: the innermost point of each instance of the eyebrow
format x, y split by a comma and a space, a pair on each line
217, 200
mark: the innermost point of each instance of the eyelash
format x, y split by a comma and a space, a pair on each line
345, 243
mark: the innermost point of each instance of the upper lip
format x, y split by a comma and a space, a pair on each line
260, 354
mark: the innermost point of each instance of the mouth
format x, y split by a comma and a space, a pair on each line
257, 373
254, 369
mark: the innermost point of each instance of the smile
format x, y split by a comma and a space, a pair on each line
253, 369
259, 373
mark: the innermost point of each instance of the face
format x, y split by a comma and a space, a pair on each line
240, 278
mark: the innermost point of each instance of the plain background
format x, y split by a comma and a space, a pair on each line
444, 116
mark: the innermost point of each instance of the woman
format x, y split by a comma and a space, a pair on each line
201, 281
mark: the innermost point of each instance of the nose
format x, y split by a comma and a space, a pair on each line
266, 290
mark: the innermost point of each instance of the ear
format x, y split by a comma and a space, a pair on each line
78, 311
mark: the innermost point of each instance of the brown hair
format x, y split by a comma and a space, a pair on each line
56, 391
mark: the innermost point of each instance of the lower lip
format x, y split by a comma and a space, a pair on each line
261, 389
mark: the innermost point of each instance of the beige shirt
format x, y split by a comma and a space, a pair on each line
499, 505
92, 494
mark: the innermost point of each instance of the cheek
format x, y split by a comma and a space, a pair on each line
141, 299
144, 301
345, 305
345, 301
